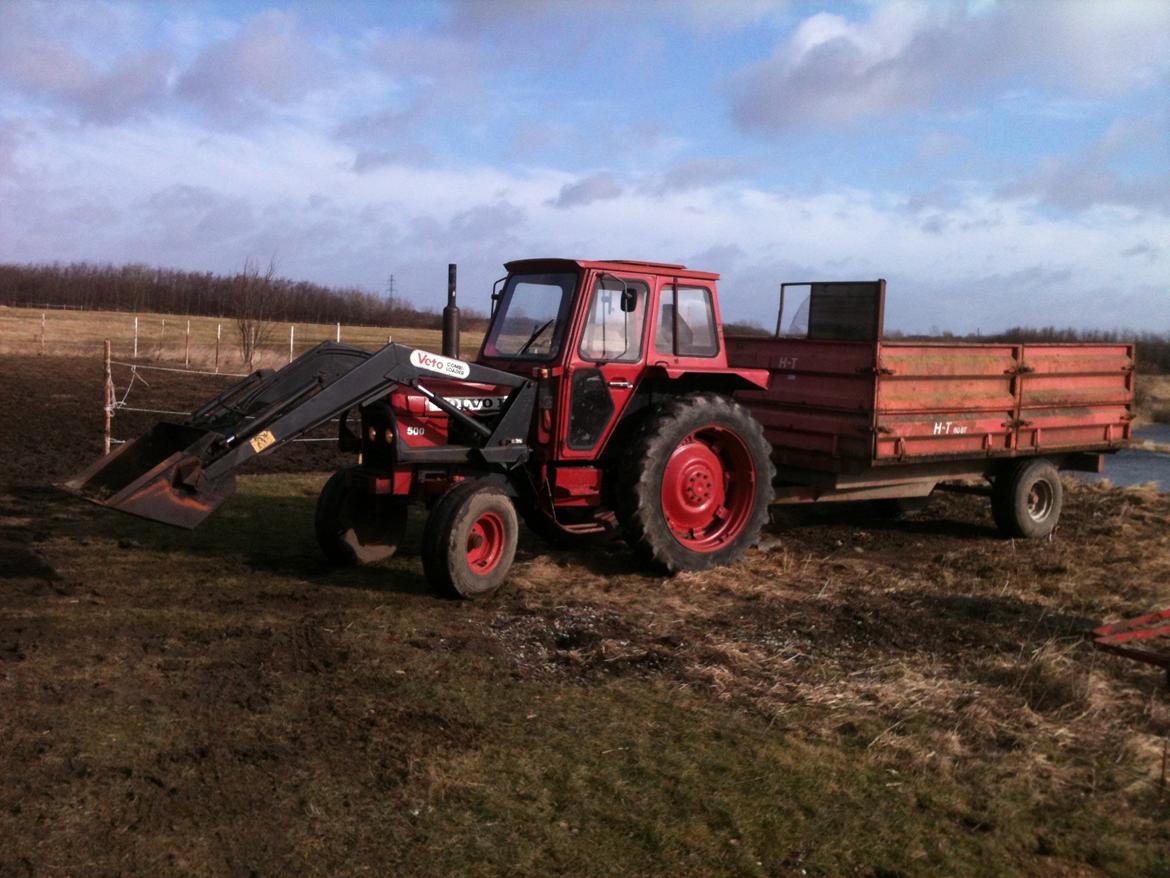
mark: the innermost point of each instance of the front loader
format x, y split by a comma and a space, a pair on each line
601, 395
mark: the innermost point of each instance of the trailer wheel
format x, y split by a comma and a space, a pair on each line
1026, 499
695, 485
354, 528
470, 541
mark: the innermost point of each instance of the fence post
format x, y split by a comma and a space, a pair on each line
161, 335
291, 332
187, 351
338, 333
42, 333
108, 400
135, 338
218, 331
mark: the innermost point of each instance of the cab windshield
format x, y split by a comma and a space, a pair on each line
531, 316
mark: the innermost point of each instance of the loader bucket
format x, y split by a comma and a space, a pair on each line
158, 476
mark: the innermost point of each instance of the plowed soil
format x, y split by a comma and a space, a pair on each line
859, 696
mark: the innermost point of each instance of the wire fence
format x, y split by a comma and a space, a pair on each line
191, 342
116, 400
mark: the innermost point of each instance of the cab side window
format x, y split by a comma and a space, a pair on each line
690, 311
611, 334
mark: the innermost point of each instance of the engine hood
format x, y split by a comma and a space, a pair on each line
468, 397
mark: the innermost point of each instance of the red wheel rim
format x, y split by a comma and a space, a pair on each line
485, 543
708, 489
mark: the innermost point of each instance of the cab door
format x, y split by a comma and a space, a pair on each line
605, 363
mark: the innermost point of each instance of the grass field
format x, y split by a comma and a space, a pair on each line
164, 336
222, 702
858, 696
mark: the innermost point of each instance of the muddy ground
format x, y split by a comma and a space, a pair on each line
859, 696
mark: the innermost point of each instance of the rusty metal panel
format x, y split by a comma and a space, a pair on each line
825, 432
1079, 358
1049, 391
786, 354
929, 434
1074, 396
951, 360
901, 402
819, 400
942, 395
945, 379
1087, 427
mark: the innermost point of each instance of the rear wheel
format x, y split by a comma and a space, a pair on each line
696, 484
470, 541
357, 528
1027, 498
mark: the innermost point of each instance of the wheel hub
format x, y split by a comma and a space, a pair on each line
485, 543
707, 488
1040, 500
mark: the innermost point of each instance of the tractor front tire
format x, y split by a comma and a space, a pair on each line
695, 486
354, 528
1026, 499
470, 541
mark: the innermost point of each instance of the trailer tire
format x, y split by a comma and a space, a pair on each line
355, 529
1026, 499
694, 488
469, 541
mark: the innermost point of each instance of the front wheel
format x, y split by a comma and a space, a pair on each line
470, 541
356, 528
696, 484
1026, 499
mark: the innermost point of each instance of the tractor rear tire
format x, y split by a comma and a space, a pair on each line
354, 528
1026, 499
470, 541
694, 489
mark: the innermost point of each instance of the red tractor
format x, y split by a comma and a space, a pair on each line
606, 398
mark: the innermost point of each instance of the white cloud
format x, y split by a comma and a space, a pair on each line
269, 62
292, 194
595, 187
832, 71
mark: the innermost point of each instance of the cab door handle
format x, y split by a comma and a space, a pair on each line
620, 384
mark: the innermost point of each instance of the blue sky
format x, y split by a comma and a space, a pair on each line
998, 163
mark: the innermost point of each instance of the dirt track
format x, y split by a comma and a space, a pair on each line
221, 703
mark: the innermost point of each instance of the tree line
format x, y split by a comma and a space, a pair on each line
253, 295
142, 288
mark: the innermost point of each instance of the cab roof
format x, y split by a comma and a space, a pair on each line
616, 266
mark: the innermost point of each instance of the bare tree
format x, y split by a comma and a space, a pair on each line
255, 298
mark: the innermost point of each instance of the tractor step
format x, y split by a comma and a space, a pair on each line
158, 476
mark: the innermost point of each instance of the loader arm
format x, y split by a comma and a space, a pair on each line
179, 474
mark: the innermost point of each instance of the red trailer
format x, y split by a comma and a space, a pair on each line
852, 416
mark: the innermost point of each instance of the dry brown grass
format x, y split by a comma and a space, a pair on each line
163, 336
1152, 398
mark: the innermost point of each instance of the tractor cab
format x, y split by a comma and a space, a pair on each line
605, 336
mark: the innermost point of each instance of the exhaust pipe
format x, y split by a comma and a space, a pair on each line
451, 318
